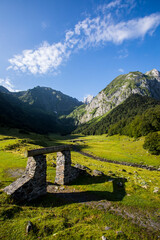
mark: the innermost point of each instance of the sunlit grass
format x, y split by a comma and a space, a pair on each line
120, 148
55, 218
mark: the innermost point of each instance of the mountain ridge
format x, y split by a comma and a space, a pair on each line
46, 99
67, 112
120, 119
116, 92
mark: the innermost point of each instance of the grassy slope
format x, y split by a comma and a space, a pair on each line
54, 218
119, 148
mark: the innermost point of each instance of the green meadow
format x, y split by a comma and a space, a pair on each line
119, 148
90, 207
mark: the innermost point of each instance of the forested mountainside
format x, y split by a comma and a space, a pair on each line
136, 116
128, 105
17, 114
118, 91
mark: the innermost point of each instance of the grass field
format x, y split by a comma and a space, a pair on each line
90, 207
119, 148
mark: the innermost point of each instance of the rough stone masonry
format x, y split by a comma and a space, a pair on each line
65, 173
33, 183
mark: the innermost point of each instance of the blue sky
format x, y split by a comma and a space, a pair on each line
76, 46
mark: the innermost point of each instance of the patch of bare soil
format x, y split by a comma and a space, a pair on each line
15, 172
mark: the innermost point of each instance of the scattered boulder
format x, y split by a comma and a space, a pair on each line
150, 166
144, 186
156, 190
104, 238
82, 167
107, 228
97, 173
29, 227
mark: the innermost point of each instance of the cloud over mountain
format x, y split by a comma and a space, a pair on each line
6, 82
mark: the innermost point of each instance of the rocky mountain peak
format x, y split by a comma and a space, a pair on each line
153, 73
88, 99
118, 91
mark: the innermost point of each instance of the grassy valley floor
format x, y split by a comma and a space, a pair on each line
90, 207
118, 148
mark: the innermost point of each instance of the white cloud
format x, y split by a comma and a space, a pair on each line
7, 84
113, 4
120, 7
97, 30
90, 32
110, 5
40, 60
121, 70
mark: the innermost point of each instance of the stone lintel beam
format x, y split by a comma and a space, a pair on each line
46, 150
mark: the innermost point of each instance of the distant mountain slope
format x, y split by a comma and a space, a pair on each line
16, 114
3, 89
118, 120
118, 91
48, 100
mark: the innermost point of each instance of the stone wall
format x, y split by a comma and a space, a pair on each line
65, 173
33, 183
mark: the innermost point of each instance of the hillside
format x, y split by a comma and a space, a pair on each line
117, 91
56, 112
37, 110
48, 100
16, 114
125, 118
3, 89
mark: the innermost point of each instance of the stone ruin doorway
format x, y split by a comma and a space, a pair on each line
33, 182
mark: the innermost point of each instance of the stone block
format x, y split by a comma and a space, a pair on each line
33, 183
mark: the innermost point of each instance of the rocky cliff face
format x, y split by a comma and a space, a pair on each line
88, 99
119, 90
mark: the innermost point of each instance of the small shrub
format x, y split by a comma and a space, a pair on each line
12, 146
152, 143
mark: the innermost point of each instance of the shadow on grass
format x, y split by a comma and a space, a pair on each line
56, 199
43, 140
87, 179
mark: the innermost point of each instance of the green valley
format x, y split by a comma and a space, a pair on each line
90, 207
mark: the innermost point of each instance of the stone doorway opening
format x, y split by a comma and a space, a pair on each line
33, 182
